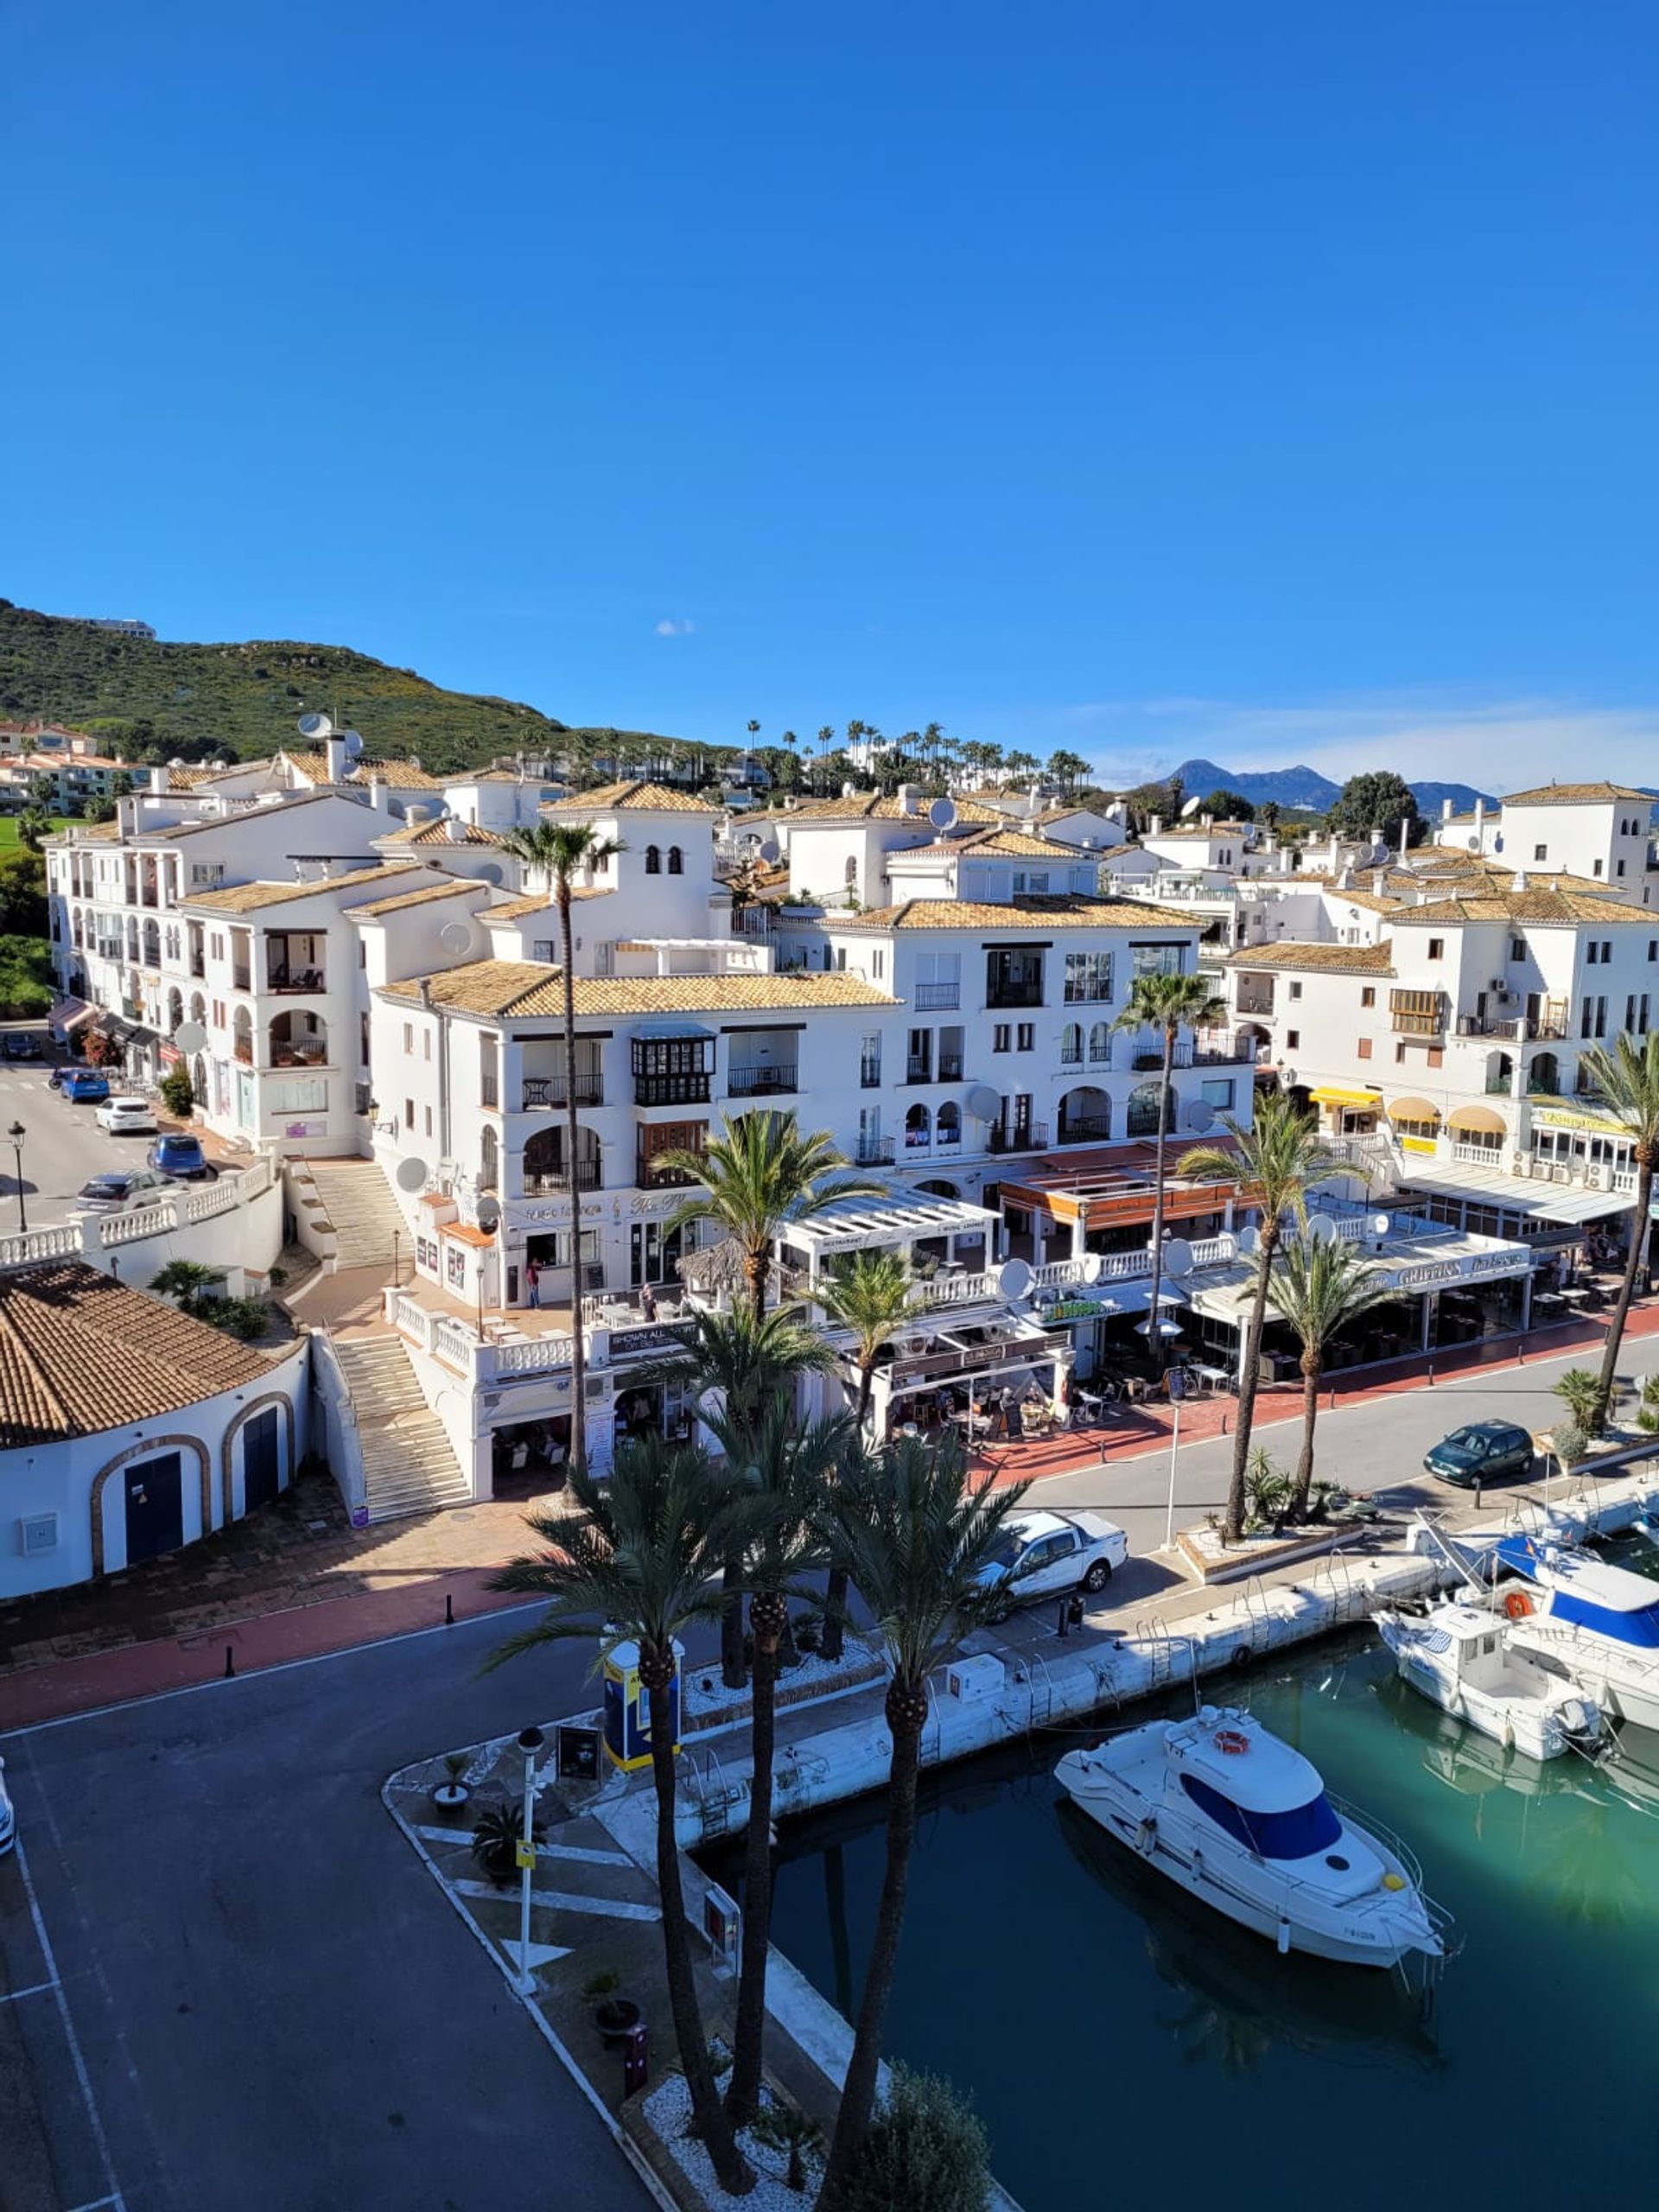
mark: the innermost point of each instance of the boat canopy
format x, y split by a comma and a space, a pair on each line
1296, 1833
1589, 1594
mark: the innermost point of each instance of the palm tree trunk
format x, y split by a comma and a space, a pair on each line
743, 2090
1233, 1527
707, 2114
1640, 1230
578, 1348
1313, 1369
906, 1713
1155, 1335
838, 1588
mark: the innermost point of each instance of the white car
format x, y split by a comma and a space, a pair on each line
127, 1118
7, 1818
1047, 1554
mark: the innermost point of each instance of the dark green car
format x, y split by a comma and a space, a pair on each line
1486, 1452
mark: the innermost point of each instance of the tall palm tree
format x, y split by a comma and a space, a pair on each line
637, 1560
1167, 1004
1277, 1160
920, 1538
783, 1471
758, 1174
560, 851
1627, 1076
826, 742
1319, 1288
869, 1294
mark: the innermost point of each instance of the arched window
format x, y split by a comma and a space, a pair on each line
1143, 1119
198, 1007
949, 1124
676, 860
1100, 1043
653, 860
852, 872
1071, 1046
175, 1010
919, 1129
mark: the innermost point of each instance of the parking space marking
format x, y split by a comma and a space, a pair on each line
94, 2119
10, 1996
560, 1901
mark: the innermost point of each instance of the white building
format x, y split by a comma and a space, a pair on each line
1601, 831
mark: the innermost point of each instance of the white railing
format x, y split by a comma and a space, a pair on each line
958, 1290
1477, 1156
535, 1355
453, 1341
128, 1227
40, 1244
213, 1199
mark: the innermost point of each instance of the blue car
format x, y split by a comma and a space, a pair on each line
85, 1087
180, 1154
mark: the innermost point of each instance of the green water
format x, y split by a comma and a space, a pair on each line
1125, 2045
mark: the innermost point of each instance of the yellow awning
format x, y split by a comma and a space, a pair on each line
1413, 1109
1331, 1094
1485, 1121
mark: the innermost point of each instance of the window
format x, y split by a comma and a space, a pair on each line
999, 1037
1295, 990
1368, 995
851, 877
408, 1113
363, 1039
1071, 1046
409, 1040
542, 948
1595, 868
1399, 1054
1518, 948
1620, 869
1653, 948
1437, 948
1088, 977
1363, 1049
1541, 852
1436, 1057
426, 1044
1218, 1094
429, 1120
1100, 1043
1156, 959
676, 860
653, 859
878, 965
1026, 1041
1594, 953
1292, 1040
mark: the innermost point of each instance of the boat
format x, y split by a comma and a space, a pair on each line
1594, 1626
1461, 1657
1243, 1823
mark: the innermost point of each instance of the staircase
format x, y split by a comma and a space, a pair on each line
364, 1213
409, 1463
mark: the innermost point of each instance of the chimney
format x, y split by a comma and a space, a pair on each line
1404, 833
1379, 878
910, 798
1480, 822
1520, 884
426, 990
454, 829
1034, 801
1446, 810
334, 751
379, 794
1154, 824
159, 776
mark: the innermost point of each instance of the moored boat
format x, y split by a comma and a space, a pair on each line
1591, 1625
1462, 1658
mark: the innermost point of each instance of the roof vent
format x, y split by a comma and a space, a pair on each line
910, 798
1520, 883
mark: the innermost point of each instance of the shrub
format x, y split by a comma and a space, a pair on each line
495, 1840
1569, 1442
247, 1318
178, 1095
926, 2150
786, 2127
1266, 1487
1579, 1391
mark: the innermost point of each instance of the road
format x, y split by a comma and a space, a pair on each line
274, 2008
62, 1144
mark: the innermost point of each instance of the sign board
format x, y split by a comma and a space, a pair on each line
576, 1752
722, 1924
523, 1855
1468, 1267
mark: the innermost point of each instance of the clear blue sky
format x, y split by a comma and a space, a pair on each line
1277, 381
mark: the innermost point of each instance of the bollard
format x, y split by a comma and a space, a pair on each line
1074, 1609
230, 1664
636, 2059
449, 1610
1064, 1625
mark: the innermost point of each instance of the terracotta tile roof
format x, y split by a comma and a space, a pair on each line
1372, 901
397, 775
1340, 959
1574, 795
1541, 902
247, 898
500, 988
870, 806
403, 899
437, 833
1030, 911
514, 910
80, 1352
633, 796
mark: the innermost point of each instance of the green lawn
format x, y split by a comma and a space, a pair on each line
9, 829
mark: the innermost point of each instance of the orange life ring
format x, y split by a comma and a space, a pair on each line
1232, 1741
1517, 1605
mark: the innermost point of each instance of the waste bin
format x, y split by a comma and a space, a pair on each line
627, 1706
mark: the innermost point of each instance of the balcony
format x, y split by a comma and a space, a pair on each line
949, 1070
1013, 991
1418, 1013
651, 1175
1087, 1129
241, 979
489, 1089
539, 1091
691, 1087
937, 998
554, 1182
869, 1074
767, 1081
873, 1152
1032, 1139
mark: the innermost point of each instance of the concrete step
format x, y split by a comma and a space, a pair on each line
409, 1463
363, 1209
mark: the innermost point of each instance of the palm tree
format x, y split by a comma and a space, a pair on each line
826, 741
1319, 1288
637, 1560
560, 851
758, 1173
188, 1283
1627, 1076
1277, 1160
869, 1294
1167, 1004
783, 1471
920, 1538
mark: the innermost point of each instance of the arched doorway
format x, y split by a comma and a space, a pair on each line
1544, 1076
1086, 1115
153, 1497
262, 1458
1141, 1119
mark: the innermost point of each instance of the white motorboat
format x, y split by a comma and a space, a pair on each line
1460, 1656
1243, 1823
1594, 1626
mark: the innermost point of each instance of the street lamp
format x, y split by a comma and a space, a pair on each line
17, 1133
529, 1742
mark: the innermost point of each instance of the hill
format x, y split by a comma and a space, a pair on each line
155, 699
1306, 787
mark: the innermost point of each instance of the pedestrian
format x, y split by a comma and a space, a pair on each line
533, 1284
647, 1303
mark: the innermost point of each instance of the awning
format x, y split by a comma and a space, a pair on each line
80, 1020
1485, 1121
1569, 1203
658, 1031
1332, 1094
1413, 1109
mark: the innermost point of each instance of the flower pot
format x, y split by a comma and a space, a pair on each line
449, 1796
614, 2018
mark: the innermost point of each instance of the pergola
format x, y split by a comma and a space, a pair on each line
888, 1223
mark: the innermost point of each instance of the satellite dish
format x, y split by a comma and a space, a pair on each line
1178, 1257
457, 936
984, 1102
411, 1175
943, 813
1321, 1229
1198, 1115
489, 1214
316, 727
1250, 1242
1191, 806
493, 872
353, 743
771, 851
1092, 1264
1015, 1281
190, 1037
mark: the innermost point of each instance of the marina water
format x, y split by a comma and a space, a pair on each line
1124, 2044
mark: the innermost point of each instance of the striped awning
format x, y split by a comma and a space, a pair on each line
1413, 1109
1483, 1121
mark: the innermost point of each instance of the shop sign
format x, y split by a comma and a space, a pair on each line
1470, 1267
631, 1343
1562, 1117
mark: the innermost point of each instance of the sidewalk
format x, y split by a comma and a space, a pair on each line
297, 1582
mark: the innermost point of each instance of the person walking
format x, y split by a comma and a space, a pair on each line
533, 1284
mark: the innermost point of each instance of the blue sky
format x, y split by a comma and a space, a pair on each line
1277, 381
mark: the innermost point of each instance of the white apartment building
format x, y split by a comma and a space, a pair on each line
1601, 831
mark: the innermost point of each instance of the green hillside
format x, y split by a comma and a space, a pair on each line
157, 700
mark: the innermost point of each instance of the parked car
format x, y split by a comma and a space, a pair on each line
122, 1117
1045, 1555
85, 1087
7, 1817
21, 1045
1484, 1452
126, 1188
180, 1154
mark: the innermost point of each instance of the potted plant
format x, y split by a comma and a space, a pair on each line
452, 1791
496, 1839
613, 2016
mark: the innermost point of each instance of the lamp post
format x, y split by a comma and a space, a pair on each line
17, 1133
1177, 1386
529, 1742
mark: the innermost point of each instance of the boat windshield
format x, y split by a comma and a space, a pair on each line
1297, 1833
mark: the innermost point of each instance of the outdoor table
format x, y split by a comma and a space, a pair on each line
1214, 1378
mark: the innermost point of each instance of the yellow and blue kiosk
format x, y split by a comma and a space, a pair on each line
627, 1706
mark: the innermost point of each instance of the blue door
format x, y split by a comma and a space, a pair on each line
155, 1507
262, 1467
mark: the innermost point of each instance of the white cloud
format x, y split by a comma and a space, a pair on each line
669, 628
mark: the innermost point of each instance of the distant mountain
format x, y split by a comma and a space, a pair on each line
1306, 787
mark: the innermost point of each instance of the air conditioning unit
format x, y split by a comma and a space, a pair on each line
1499, 986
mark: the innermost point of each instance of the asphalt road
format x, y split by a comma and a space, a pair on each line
273, 2007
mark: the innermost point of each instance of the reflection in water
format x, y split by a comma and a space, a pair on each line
840, 1941
1242, 1998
